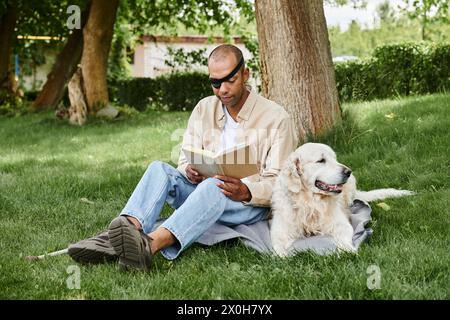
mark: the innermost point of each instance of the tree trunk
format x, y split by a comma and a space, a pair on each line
423, 26
97, 36
77, 110
62, 71
296, 65
7, 25
65, 65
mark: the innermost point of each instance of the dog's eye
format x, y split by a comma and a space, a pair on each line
321, 161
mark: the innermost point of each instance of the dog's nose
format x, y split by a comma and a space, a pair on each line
347, 172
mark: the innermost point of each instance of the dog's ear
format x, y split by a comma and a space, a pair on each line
294, 165
294, 180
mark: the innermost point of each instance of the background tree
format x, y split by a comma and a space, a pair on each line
385, 13
296, 65
91, 44
124, 39
26, 18
97, 37
427, 12
8, 19
64, 67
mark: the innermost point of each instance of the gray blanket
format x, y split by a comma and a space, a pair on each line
257, 235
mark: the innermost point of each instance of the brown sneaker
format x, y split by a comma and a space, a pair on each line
132, 245
97, 249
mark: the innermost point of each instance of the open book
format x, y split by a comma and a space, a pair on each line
238, 162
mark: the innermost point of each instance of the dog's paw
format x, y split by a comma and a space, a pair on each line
346, 247
280, 251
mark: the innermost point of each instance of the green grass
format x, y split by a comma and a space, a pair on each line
46, 167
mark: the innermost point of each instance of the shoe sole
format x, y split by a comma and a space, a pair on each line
87, 255
94, 250
126, 241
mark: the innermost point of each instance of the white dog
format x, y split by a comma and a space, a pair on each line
312, 196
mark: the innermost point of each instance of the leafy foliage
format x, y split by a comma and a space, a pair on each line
403, 69
12, 106
42, 17
39, 18
200, 15
186, 60
353, 3
393, 27
252, 45
427, 12
172, 92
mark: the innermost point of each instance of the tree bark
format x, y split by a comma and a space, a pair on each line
7, 25
62, 71
296, 65
423, 26
65, 66
97, 36
77, 110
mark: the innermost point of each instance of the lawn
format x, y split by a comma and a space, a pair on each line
60, 184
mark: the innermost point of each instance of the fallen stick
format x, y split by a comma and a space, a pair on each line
42, 256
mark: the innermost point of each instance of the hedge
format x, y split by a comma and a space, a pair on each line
174, 91
395, 70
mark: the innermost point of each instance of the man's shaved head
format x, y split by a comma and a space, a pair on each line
228, 75
223, 51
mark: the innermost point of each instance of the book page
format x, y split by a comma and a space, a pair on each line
202, 160
238, 162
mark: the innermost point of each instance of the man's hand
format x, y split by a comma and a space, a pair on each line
193, 176
234, 188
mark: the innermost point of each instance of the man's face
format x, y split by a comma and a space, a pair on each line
230, 91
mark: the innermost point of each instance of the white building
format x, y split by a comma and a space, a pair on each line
149, 56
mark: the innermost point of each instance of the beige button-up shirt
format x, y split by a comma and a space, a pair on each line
263, 124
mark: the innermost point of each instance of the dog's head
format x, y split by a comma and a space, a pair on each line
317, 167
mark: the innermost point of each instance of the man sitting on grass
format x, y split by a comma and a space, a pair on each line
235, 111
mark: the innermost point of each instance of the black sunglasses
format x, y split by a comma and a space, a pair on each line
216, 83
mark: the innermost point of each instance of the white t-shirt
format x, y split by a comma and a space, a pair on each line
229, 133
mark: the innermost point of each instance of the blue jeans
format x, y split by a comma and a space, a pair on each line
198, 207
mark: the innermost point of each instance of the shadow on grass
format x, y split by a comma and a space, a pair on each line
38, 128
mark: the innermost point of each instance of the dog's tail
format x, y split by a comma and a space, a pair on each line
380, 194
